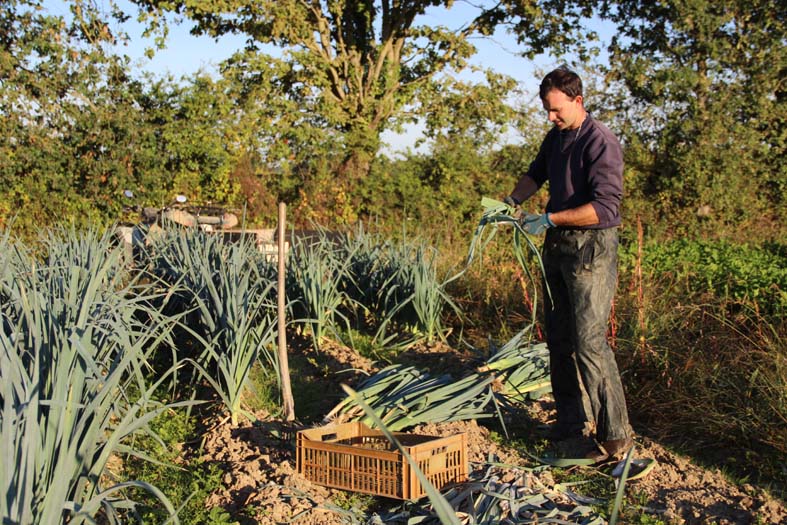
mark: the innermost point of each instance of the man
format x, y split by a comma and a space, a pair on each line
583, 162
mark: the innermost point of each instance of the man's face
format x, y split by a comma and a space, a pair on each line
563, 111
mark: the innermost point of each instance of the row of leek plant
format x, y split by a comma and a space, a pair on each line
356, 279
360, 280
227, 291
74, 358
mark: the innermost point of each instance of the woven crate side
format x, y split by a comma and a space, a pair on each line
353, 457
351, 468
443, 461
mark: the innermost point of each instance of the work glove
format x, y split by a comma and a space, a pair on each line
536, 224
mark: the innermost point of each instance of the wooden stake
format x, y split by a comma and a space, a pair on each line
284, 367
640, 294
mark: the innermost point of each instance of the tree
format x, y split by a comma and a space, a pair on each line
711, 75
77, 128
195, 138
54, 78
352, 68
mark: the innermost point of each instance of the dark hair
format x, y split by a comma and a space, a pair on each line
562, 79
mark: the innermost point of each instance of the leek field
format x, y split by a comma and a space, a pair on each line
107, 368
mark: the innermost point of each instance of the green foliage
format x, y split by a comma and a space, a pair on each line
351, 70
354, 501
262, 392
690, 87
55, 86
192, 136
186, 481
78, 128
705, 80
739, 273
474, 113
440, 189
370, 347
702, 338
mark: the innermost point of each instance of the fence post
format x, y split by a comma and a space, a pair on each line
284, 367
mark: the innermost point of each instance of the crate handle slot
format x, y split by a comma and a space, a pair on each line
329, 437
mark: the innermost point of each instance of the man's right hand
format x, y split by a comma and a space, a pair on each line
536, 224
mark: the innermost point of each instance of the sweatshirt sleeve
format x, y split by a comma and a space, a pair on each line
605, 175
536, 171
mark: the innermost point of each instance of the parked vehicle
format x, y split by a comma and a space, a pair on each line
136, 236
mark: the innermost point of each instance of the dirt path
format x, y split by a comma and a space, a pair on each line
261, 484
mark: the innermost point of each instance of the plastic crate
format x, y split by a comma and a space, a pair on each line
353, 457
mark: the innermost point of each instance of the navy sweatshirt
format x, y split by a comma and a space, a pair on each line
582, 166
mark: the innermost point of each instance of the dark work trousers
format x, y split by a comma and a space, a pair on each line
581, 271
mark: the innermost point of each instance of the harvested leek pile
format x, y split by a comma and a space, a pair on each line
492, 500
492, 497
521, 368
403, 396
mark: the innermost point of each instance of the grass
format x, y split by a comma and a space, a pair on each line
186, 481
370, 347
723, 379
354, 501
312, 402
262, 392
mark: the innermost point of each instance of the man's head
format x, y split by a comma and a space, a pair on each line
561, 94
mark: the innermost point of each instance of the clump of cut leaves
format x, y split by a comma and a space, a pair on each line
498, 214
521, 368
403, 396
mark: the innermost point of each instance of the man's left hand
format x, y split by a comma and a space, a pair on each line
511, 202
536, 224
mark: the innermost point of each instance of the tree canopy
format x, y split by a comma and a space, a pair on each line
695, 89
711, 75
354, 68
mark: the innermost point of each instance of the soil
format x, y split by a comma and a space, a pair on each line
261, 484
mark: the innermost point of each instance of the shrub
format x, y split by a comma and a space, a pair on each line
739, 273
